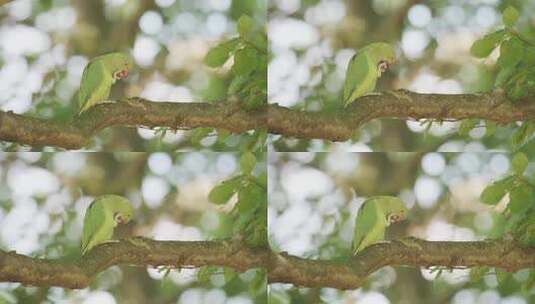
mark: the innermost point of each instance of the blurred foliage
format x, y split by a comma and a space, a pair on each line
433, 41
172, 200
250, 209
249, 74
450, 196
515, 64
168, 40
519, 214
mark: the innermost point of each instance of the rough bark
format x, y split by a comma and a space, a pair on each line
335, 126
282, 267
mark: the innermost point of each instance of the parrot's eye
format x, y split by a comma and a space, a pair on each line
382, 66
121, 74
118, 218
393, 218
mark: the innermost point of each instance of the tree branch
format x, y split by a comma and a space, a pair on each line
143, 252
352, 274
132, 112
282, 267
336, 126
401, 104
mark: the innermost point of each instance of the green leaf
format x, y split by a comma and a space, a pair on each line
519, 163
522, 134
222, 135
198, 134
247, 162
530, 282
205, 272
494, 192
510, 16
523, 230
467, 125
520, 199
245, 61
477, 273
228, 274
529, 56
250, 197
517, 88
245, 26
490, 127
511, 52
259, 283
503, 75
237, 84
222, 193
484, 46
255, 100
218, 55
501, 275
262, 179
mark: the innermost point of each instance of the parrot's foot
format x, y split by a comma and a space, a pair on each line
410, 242
139, 242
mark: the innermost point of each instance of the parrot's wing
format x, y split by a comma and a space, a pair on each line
366, 219
93, 221
358, 69
93, 85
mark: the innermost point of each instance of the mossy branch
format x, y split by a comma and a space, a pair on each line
133, 112
351, 274
141, 252
282, 267
334, 126
400, 104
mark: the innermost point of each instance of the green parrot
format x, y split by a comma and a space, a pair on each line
101, 217
375, 214
524, 229
365, 68
98, 77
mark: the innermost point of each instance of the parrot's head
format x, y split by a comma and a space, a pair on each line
383, 54
120, 207
394, 209
121, 65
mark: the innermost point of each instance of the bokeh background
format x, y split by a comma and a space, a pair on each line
311, 42
43, 198
313, 202
44, 46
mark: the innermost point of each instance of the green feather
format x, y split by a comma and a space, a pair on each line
362, 71
373, 217
100, 219
98, 77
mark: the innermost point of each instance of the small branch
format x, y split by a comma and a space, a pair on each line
47, 272
352, 274
336, 126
